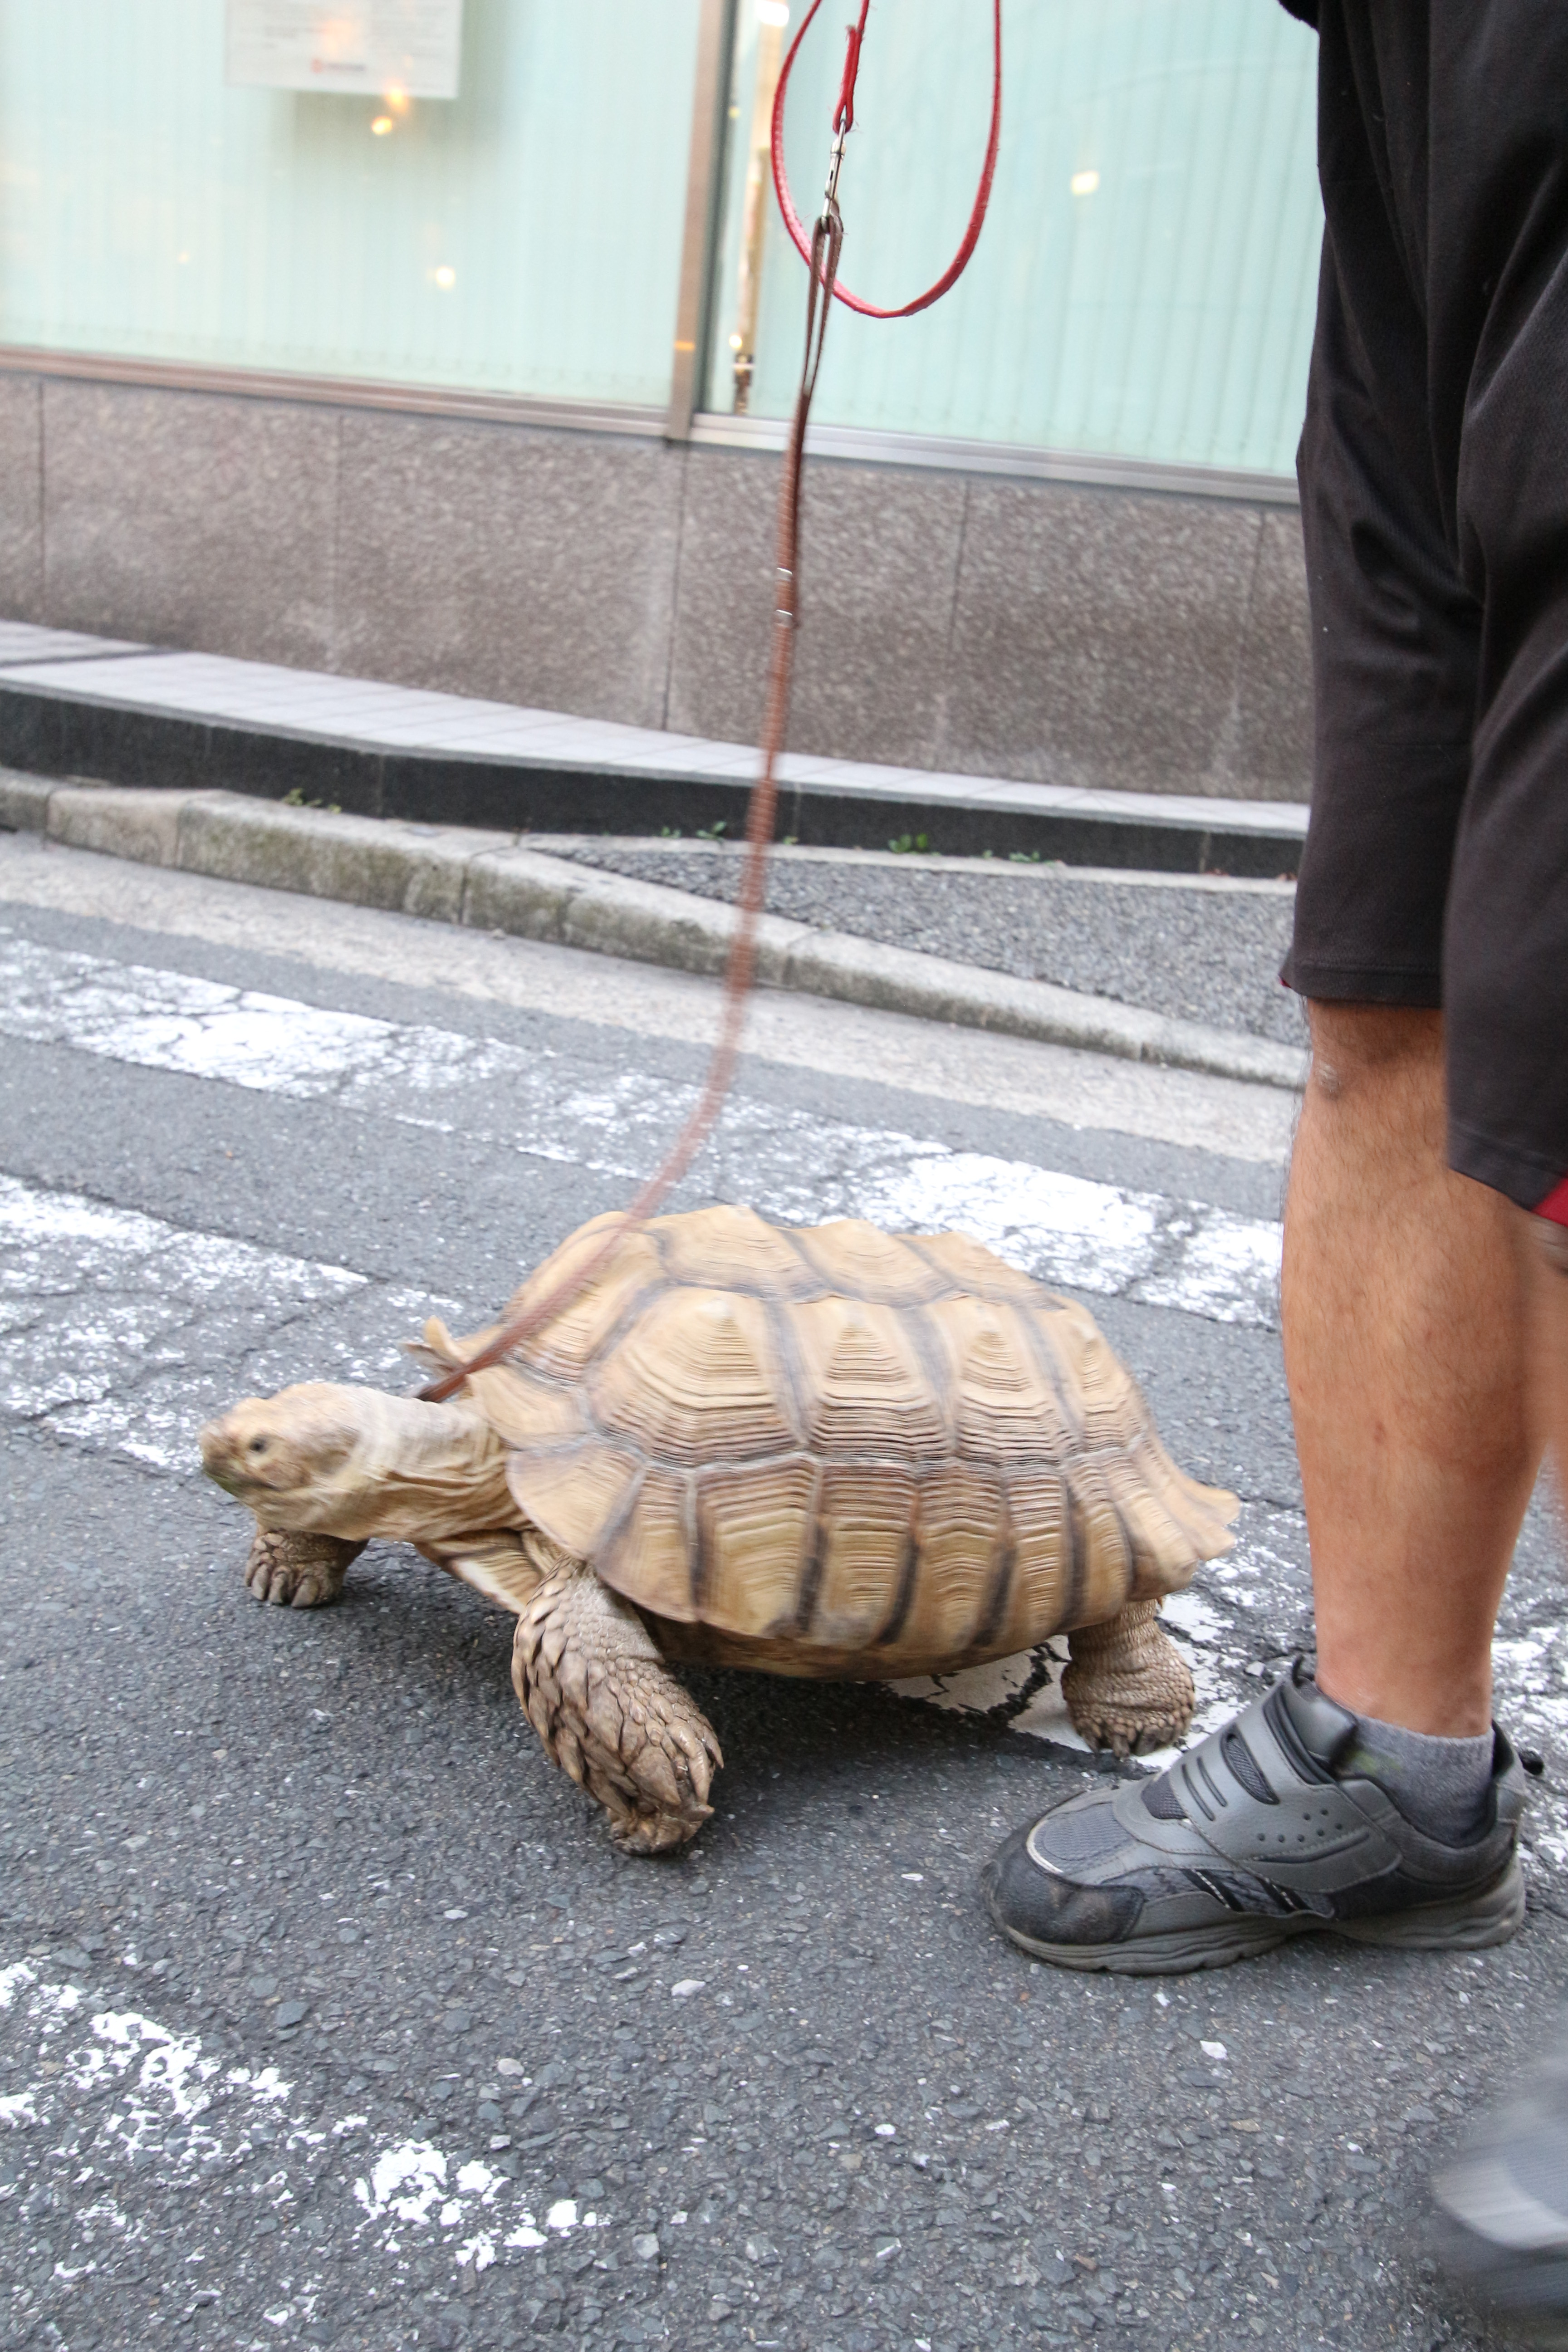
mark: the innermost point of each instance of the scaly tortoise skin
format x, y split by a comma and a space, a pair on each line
824, 1451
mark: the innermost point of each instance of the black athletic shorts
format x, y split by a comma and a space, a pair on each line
1433, 471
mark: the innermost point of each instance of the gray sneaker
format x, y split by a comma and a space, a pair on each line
1502, 2207
1249, 1838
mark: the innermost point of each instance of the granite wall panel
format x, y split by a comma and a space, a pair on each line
534, 567
1273, 744
954, 621
190, 520
880, 551
21, 498
1098, 636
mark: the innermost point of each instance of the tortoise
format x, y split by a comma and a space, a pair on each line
822, 1451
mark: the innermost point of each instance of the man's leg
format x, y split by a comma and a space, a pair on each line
1372, 1800
1379, 1805
1407, 1355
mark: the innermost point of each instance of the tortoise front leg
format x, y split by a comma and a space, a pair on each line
595, 1690
298, 1572
1127, 1685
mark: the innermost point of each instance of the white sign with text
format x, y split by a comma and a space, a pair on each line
371, 46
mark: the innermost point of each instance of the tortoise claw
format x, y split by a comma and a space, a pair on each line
298, 1572
1128, 1687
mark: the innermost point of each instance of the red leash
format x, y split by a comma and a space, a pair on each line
843, 123
820, 253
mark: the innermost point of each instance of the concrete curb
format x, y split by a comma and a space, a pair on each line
490, 882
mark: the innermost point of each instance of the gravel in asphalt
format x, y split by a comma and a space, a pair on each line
327, 2013
1197, 949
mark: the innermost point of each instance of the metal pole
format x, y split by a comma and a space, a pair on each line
755, 211
704, 181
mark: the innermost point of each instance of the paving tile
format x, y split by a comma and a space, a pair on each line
386, 721
707, 759
311, 717
22, 642
852, 775
493, 743
141, 679
102, 680
586, 747
497, 720
1182, 808
459, 718
304, 693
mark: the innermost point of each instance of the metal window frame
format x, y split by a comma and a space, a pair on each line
850, 445
1019, 460
331, 392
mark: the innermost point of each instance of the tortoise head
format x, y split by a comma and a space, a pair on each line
291, 1458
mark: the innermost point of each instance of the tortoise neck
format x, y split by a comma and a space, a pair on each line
423, 1471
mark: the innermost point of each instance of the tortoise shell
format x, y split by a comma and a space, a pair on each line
833, 1449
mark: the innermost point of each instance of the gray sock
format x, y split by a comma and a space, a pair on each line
1440, 1785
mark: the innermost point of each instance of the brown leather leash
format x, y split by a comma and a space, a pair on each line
822, 261
826, 243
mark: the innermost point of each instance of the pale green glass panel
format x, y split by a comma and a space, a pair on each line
525, 237
1165, 315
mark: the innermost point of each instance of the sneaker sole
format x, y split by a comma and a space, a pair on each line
1474, 1925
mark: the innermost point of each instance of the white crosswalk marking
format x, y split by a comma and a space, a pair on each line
798, 1168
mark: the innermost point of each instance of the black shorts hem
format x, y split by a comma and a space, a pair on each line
1525, 1177
1334, 983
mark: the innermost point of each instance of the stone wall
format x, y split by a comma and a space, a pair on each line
968, 621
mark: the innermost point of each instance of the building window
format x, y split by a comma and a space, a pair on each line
522, 237
1144, 287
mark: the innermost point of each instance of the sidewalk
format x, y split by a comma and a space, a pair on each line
72, 705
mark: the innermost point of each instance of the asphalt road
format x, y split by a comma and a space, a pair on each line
327, 2014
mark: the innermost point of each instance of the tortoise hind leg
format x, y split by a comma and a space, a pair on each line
595, 1690
1127, 1686
298, 1572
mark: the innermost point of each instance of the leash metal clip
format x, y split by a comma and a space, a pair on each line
835, 165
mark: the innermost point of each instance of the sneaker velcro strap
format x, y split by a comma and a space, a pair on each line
1254, 1793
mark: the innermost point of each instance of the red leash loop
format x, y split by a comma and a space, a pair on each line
843, 119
